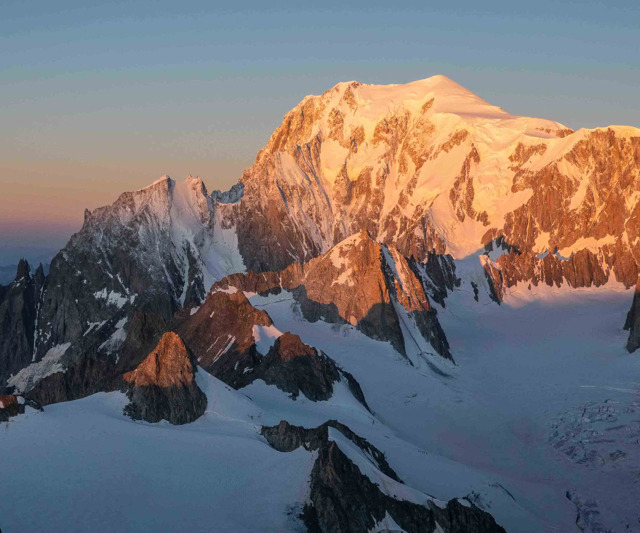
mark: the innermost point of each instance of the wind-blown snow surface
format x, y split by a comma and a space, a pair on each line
511, 427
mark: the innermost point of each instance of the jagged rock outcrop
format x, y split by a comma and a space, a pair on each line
363, 283
294, 367
343, 498
163, 386
582, 269
11, 405
370, 286
20, 304
222, 335
437, 274
633, 322
233, 195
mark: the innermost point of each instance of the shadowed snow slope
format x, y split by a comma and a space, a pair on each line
545, 400
91, 469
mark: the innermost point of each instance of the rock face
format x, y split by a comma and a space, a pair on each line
344, 499
294, 367
11, 406
222, 335
363, 283
54, 379
585, 200
410, 165
582, 269
163, 387
633, 322
437, 274
19, 307
152, 251
370, 286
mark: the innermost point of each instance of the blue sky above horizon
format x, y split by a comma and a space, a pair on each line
99, 99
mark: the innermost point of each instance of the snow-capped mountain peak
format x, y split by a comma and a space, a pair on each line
383, 233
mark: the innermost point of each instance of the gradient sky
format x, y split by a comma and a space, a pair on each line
97, 100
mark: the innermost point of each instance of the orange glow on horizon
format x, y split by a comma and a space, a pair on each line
50, 197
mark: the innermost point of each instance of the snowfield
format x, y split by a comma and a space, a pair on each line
82, 466
543, 405
511, 424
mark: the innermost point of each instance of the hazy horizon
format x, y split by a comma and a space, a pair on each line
96, 101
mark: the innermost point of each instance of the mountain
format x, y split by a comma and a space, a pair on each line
163, 386
352, 502
429, 166
151, 252
381, 309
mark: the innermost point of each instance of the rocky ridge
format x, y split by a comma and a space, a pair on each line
152, 252
20, 304
360, 206
427, 169
295, 367
239, 344
343, 498
362, 283
220, 333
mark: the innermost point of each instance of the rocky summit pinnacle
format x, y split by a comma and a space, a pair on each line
163, 386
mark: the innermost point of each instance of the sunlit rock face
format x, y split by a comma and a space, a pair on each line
239, 344
359, 282
222, 334
163, 386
